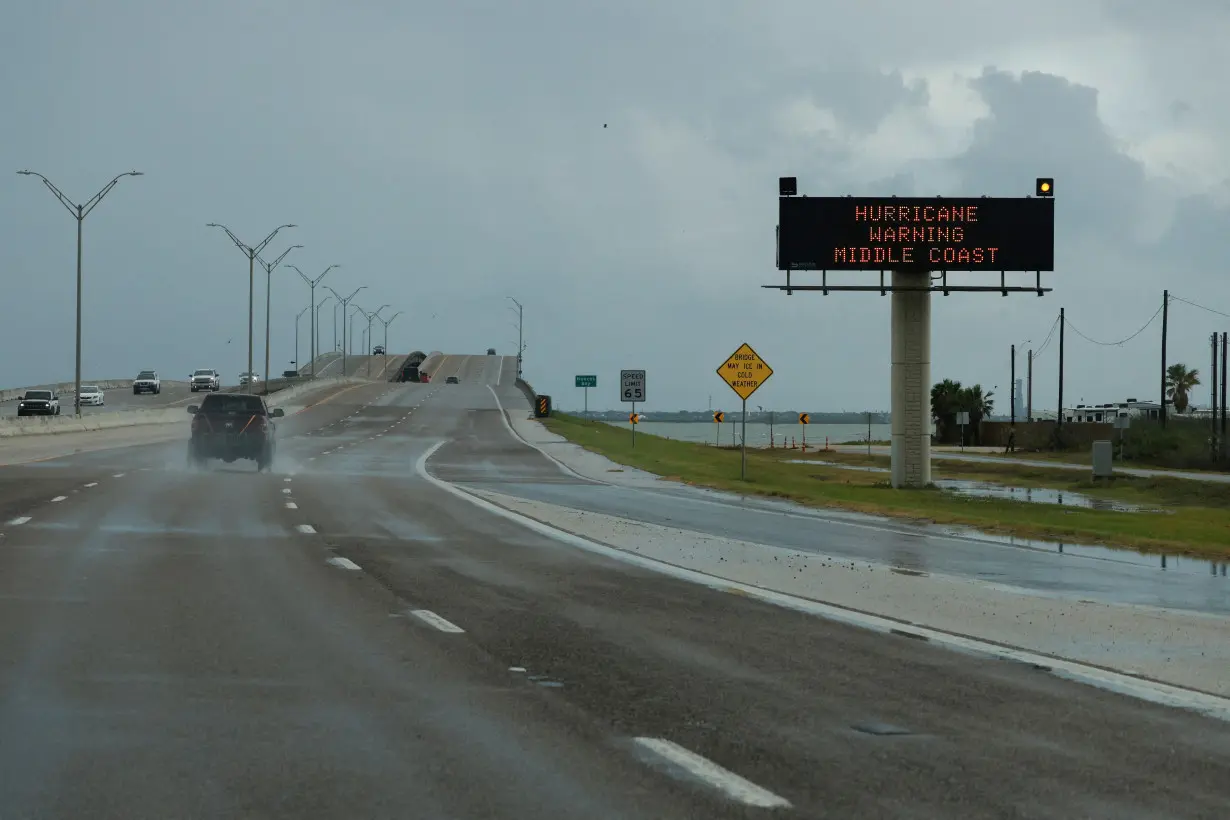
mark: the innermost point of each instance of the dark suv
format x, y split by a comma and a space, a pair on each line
231, 426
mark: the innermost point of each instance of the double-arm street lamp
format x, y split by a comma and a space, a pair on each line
269, 266
312, 283
375, 314
298, 367
345, 303
250, 252
79, 212
386, 323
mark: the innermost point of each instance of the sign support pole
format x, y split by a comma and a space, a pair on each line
634, 425
743, 444
911, 380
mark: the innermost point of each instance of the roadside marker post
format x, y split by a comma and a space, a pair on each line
804, 420
632, 389
744, 371
718, 416
587, 382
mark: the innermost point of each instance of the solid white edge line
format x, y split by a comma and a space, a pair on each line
18, 521
429, 617
343, 563
1140, 688
704, 769
564, 468
306, 529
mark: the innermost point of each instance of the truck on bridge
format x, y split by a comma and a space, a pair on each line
410, 368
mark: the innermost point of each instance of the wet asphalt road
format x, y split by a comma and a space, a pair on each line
177, 644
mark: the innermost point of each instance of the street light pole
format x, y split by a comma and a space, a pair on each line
298, 368
250, 252
316, 327
79, 212
268, 300
345, 303
373, 315
312, 283
520, 334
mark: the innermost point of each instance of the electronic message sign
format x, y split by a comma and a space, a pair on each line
916, 233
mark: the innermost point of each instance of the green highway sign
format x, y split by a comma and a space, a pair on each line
587, 381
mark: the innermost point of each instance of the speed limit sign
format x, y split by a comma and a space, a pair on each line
632, 386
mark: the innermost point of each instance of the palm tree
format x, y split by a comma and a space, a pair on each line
945, 403
978, 405
1179, 383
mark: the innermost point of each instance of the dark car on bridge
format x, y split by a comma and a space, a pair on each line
231, 426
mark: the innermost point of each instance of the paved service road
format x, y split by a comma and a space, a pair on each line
342, 638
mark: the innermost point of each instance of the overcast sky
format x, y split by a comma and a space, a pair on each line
449, 155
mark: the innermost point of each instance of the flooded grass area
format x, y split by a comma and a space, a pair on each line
999, 499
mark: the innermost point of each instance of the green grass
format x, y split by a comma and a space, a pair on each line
1198, 524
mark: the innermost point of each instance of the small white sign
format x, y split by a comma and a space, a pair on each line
963, 418
632, 385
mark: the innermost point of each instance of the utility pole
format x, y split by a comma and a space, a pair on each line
312, 283
345, 303
1213, 400
79, 212
1059, 420
268, 300
250, 252
1012, 385
1224, 336
1165, 322
1029, 386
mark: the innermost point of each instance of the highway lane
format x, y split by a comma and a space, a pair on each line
178, 644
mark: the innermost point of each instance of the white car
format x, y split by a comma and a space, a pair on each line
204, 379
249, 378
92, 396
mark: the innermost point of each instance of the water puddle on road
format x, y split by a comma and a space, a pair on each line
1038, 495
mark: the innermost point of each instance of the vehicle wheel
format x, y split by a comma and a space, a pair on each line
57, 411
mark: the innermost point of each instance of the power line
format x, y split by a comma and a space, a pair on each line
1047, 340
1174, 298
1143, 327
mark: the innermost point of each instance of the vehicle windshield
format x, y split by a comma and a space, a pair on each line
203, 373
232, 403
90, 388
38, 394
146, 374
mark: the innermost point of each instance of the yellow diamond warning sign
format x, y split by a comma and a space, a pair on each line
745, 371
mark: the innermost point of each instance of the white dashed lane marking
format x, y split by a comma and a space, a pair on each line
286, 490
431, 618
290, 505
59, 498
724, 780
18, 521
343, 563
92, 484
306, 529
118, 475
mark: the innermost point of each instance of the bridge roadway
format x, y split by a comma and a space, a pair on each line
344, 638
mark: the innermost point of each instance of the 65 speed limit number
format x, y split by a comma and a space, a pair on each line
632, 385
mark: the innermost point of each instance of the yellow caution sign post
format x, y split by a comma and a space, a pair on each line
718, 417
804, 420
745, 372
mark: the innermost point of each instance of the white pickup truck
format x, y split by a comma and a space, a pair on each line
147, 381
205, 379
